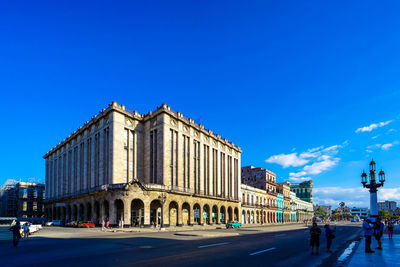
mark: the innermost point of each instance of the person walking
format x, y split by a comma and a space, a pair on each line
103, 225
25, 227
329, 234
368, 232
315, 233
379, 228
108, 224
389, 230
16, 231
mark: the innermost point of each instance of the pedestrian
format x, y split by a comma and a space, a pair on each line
119, 224
329, 234
389, 230
378, 227
368, 232
16, 231
25, 227
103, 225
315, 233
108, 224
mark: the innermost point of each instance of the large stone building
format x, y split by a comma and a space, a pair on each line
263, 179
284, 189
303, 190
256, 206
22, 200
143, 169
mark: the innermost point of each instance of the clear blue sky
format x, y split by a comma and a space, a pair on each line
277, 78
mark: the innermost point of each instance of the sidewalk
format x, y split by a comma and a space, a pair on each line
388, 256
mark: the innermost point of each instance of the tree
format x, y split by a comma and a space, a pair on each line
320, 212
384, 214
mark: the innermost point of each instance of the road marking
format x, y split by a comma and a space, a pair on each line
214, 245
258, 252
281, 235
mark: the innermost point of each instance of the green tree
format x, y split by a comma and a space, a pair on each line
320, 212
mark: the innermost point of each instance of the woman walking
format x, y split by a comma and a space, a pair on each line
390, 229
329, 234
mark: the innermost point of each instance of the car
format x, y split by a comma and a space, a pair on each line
85, 224
318, 220
32, 227
57, 223
234, 224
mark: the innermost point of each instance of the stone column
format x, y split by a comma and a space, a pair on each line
113, 215
146, 213
127, 213
180, 214
165, 214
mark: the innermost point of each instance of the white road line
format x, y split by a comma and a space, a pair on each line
214, 245
281, 235
258, 252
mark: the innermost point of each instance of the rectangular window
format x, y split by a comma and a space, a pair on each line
174, 157
206, 169
69, 182
81, 165
196, 166
97, 159
186, 161
131, 154
153, 156
222, 174
126, 155
236, 178
75, 169
55, 178
89, 163
215, 172
64, 179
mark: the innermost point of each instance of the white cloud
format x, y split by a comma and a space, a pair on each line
287, 160
381, 146
373, 126
326, 163
356, 196
300, 179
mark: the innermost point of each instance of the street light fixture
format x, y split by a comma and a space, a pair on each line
373, 186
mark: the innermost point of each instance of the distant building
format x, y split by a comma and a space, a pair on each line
280, 206
256, 206
360, 212
284, 189
387, 205
22, 200
327, 209
293, 207
304, 210
303, 190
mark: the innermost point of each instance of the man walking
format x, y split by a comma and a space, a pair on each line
315, 233
16, 230
379, 228
368, 232
25, 227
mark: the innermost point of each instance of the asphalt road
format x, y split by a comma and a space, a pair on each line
250, 248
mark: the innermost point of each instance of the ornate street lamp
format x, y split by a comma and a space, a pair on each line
373, 186
162, 198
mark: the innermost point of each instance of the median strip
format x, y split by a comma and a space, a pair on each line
214, 245
258, 252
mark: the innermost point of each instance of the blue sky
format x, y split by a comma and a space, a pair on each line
290, 82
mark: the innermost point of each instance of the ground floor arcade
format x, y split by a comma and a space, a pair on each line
137, 207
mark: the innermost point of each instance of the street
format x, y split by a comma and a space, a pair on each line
247, 246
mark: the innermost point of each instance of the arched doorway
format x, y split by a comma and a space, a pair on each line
81, 215
137, 213
89, 212
206, 214
222, 214
74, 212
186, 214
106, 212
236, 214
214, 214
173, 213
119, 209
155, 212
257, 217
97, 212
229, 214
196, 213
248, 220
243, 217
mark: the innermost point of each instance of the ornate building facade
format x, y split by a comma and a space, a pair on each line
256, 207
157, 168
284, 189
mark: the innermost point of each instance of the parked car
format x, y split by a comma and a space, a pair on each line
57, 223
233, 224
85, 224
49, 223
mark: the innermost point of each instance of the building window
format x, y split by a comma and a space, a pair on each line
196, 167
186, 161
229, 176
236, 177
153, 156
173, 157
126, 155
206, 169
97, 159
81, 165
222, 174
89, 163
215, 172
76, 169
64, 179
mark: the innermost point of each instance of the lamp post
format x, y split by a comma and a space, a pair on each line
373, 186
162, 198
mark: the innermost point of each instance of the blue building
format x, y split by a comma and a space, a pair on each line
279, 207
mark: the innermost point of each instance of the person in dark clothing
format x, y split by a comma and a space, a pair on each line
379, 228
16, 230
315, 233
368, 232
390, 229
329, 234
